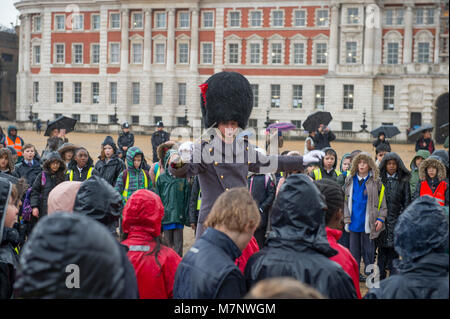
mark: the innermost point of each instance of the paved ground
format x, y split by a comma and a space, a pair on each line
93, 143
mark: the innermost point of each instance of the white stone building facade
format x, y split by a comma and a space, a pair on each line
144, 60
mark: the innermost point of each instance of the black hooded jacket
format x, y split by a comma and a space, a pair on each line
65, 245
110, 170
77, 176
397, 194
333, 174
43, 186
9, 260
423, 270
297, 246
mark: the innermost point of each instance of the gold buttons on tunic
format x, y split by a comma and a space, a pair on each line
246, 148
210, 150
221, 176
216, 163
227, 189
249, 163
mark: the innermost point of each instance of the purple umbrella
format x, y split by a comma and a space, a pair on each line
282, 126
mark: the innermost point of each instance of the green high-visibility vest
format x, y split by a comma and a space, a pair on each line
89, 174
127, 185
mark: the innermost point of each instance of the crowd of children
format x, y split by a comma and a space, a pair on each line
312, 218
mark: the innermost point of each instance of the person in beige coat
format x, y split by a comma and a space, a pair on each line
365, 208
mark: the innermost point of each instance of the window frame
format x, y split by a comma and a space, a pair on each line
157, 95
93, 24
230, 20
250, 19
273, 19
182, 98
36, 55
133, 52
59, 96
35, 24
74, 53
387, 99
156, 54
348, 17
111, 21
179, 52
348, 96
317, 18
296, 98
273, 98
133, 20
56, 53
255, 91
75, 22
93, 95
75, 93
110, 55
56, 23
93, 55
157, 21
202, 52
113, 93
294, 18
317, 99
203, 19
179, 19
135, 93
353, 58
35, 91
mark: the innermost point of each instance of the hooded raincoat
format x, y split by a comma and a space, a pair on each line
437, 185
63, 245
297, 246
73, 174
415, 170
62, 197
320, 172
154, 264
421, 239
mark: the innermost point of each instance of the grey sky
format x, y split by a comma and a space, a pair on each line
8, 13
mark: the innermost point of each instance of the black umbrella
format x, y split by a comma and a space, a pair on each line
388, 130
444, 126
313, 120
61, 122
420, 129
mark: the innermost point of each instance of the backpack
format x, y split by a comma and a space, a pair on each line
125, 175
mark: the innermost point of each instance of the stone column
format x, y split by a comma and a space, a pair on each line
124, 41
148, 40
369, 36
437, 36
218, 43
171, 41
46, 46
408, 37
194, 42
27, 44
334, 37
378, 41
103, 40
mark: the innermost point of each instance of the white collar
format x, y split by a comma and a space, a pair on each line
391, 176
362, 178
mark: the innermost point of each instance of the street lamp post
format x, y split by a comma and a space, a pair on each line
364, 126
31, 113
267, 118
186, 122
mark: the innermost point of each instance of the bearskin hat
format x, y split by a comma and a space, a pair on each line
226, 96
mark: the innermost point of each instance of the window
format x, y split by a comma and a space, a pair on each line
208, 19
95, 59
348, 97
37, 54
181, 93
60, 22
347, 126
392, 53
112, 92
255, 18
35, 92
300, 18
60, 53
299, 53
77, 22
160, 20
394, 16
233, 53
253, 123
235, 19
388, 97
94, 118
160, 53
297, 96
322, 18
181, 121
136, 92
183, 53
37, 24
137, 53
135, 119
114, 53
78, 54
298, 124
275, 95
350, 56
277, 18
76, 92
277, 49
319, 102
95, 93
159, 93
255, 53
425, 16
207, 54
59, 92
352, 15
95, 22
114, 21
76, 117
423, 52
56, 115
7, 57
112, 119
321, 53
183, 21
255, 90
157, 119
137, 20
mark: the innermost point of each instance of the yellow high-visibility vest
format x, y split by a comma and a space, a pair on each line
89, 174
318, 173
158, 172
127, 185
199, 200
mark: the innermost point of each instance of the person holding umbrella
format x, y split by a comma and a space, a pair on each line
381, 140
323, 137
425, 142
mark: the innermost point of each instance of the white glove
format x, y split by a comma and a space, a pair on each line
313, 157
346, 228
186, 150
